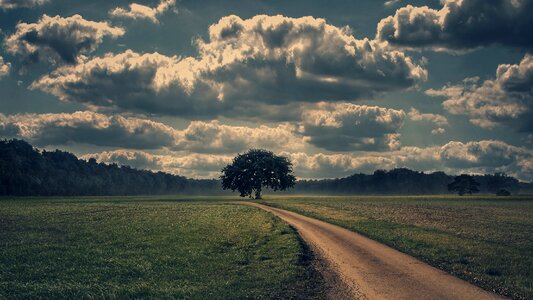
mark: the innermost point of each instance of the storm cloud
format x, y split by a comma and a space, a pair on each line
460, 25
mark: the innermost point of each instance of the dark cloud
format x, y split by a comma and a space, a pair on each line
349, 127
13, 4
507, 99
460, 25
337, 127
245, 64
58, 39
87, 127
135, 133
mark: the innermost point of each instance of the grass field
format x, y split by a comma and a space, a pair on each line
135, 247
485, 240
204, 247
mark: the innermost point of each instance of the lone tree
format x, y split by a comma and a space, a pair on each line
255, 169
464, 184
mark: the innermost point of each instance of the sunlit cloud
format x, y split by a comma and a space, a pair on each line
507, 99
265, 60
139, 11
58, 39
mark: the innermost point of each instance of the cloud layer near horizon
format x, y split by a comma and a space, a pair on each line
454, 157
351, 127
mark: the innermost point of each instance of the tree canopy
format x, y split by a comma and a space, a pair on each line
255, 169
464, 184
26, 171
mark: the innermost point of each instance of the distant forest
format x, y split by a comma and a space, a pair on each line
26, 171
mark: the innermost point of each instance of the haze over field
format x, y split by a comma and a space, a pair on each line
339, 87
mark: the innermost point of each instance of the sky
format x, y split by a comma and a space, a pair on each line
339, 87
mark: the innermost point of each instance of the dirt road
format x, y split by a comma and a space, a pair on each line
373, 270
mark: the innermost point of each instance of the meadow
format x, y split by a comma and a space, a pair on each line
155, 247
485, 240
210, 247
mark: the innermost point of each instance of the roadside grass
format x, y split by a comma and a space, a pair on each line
149, 247
485, 240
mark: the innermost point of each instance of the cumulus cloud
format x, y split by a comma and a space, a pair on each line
415, 115
13, 4
348, 127
87, 127
214, 137
488, 157
454, 157
5, 67
439, 130
135, 133
130, 81
460, 25
134, 159
245, 64
507, 99
139, 11
193, 165
58, 39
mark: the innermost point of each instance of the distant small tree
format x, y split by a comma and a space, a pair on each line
464, 184
501, 182
503, 192
255, 169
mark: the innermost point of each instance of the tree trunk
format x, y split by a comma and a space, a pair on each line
258, 194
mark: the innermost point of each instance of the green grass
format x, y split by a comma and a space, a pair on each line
149, 247
485, 240
203, 247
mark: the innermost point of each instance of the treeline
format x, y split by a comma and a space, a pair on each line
26, 171
403, 181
